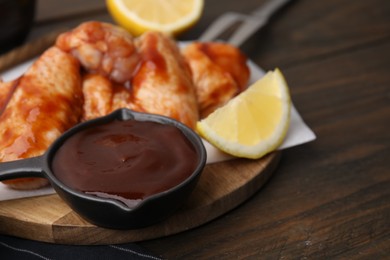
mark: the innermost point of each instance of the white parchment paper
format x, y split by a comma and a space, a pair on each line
298, 133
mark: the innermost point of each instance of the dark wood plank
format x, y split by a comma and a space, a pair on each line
328, 199
309, 30
48, 11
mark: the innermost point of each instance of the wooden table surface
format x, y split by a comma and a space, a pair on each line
329, 198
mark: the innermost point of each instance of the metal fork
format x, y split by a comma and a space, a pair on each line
249, 23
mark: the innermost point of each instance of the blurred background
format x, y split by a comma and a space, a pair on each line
47, 16
16, 20
17, 17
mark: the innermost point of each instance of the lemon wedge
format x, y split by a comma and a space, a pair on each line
169, 16
253, 123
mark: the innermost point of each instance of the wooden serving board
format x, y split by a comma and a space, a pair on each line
221, 188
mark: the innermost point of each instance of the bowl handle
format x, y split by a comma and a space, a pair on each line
30, 167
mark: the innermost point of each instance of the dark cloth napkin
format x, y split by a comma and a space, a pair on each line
17, 248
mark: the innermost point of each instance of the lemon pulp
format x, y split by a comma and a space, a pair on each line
253, 123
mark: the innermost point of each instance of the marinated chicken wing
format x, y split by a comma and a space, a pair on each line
121, 97
102, 48
219, 72
102, 96
6, 91
47, 100
162, 84
98, 92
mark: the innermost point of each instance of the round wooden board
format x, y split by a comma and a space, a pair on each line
222, 187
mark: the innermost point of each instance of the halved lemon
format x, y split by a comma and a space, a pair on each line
169, 16
253, 123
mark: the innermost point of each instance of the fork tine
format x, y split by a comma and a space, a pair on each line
219, 26
251, 23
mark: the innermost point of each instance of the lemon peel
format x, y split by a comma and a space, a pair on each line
253, 123
169, 16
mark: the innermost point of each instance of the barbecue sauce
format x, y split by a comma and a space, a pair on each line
125, 160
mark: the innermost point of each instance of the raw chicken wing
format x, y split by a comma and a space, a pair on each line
219, 72
6, 91
46, 101
162, 84
102, 48
102, 96
97, 91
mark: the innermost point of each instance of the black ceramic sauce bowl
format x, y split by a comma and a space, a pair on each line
111, 213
